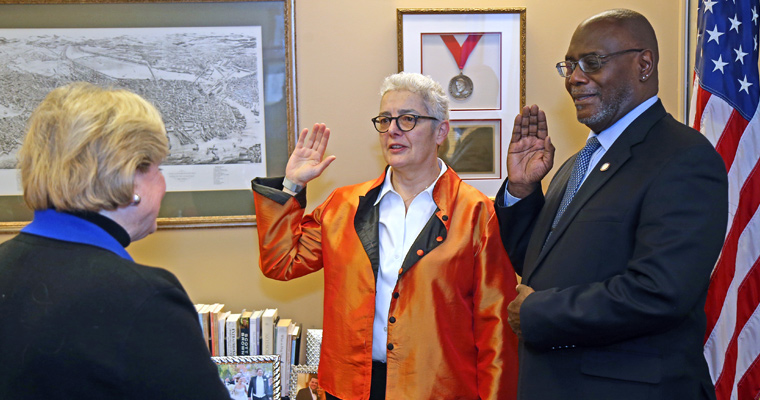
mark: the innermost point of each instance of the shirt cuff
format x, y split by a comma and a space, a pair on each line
509, 200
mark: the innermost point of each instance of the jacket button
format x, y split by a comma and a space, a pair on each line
390, 346
439, 239
445, 217
400, 271
395, 295
392, 319
420, 252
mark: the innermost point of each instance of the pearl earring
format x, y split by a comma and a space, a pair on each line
136, 199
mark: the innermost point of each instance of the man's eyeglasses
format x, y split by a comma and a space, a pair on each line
405, 122
589, 63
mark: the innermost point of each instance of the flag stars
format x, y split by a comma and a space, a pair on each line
714, 35
745, 84
719, 64
735, 23
740, 54
754, 15
709, 5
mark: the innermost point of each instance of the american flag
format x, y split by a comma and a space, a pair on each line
724, 108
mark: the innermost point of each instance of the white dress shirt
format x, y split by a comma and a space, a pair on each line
259, 388
398, 229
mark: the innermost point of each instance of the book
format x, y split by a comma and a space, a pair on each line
213, 316
232, 331
268, 321
203, 310
256, 333
221, 322
295, 343
244, 341
282, 348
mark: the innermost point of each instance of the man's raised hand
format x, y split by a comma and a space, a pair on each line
531, 153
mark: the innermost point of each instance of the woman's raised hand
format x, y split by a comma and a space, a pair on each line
306, 162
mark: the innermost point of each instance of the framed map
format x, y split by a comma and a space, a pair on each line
220, 73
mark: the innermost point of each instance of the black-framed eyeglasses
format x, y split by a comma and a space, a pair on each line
405, 122
589, 63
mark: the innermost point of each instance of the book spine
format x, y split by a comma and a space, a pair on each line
282, 345
231, 339
267, 333
244, 348
213, 333
256, 336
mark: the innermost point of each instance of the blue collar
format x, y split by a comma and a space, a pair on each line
68, 228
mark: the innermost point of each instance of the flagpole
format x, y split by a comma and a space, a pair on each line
686, 57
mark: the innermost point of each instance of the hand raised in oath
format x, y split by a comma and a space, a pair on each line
531, 154
306, 162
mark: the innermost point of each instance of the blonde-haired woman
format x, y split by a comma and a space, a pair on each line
73, 302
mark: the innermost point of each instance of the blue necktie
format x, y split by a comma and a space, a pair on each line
576, 177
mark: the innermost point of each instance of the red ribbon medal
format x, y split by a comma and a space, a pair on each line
460, 86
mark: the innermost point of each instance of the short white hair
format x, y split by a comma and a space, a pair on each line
433, 95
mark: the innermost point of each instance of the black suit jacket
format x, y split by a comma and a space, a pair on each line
252, 386
80, 322
621, 283
304, 394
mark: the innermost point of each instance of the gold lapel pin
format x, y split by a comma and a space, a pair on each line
604, 167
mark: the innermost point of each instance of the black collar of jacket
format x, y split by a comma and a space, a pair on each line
367, 226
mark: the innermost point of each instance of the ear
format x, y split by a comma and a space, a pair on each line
441, 132
646, 64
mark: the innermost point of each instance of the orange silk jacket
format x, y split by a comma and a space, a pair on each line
448, 336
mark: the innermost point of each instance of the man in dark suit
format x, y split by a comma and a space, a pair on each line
614, 276
312, 392
259, 387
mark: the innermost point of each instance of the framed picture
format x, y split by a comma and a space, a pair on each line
303, 382
313, 346
478, 57
220, 72
473, 148
257, 374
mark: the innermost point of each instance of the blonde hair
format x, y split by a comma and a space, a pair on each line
83, 146
432, 93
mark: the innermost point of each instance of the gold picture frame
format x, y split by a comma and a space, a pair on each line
185, 209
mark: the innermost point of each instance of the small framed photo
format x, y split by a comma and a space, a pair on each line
304, 381
473, 148
250, 377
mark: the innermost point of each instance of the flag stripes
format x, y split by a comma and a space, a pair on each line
724, 107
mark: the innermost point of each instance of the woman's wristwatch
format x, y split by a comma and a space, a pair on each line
290, 187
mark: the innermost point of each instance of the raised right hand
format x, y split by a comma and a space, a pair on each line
531, 154
306, 162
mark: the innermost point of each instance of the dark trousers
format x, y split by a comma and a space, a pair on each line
377, 388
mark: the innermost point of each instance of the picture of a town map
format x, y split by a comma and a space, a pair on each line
207, 82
